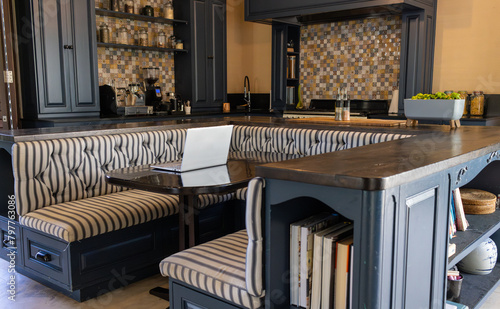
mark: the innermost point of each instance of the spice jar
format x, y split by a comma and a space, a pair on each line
169, 10
143, 37
115, 5
104, 33
179, 44
464, 96
106, 4
129, 6
171, 41
123, 36
148, 11
477, 103
161, 40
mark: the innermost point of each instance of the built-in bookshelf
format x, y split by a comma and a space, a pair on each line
475, 288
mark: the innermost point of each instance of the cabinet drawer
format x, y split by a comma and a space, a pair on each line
46, 256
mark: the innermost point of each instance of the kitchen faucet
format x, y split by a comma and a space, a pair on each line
246, 95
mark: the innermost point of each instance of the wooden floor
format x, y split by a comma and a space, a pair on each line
31, 294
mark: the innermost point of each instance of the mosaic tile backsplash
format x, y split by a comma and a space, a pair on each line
362, 55
124, 65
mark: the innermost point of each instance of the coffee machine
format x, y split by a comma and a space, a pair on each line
153, 92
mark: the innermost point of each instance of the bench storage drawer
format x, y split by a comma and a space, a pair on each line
46, 256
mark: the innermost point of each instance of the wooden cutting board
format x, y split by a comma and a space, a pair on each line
355, 121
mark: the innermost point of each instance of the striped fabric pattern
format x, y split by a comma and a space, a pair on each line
63, 170
217, 267
253, 223
206, 200
229, 267
77, 220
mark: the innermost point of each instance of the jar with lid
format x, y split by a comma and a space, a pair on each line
477, 103
104, 33
169, 10
464, 96
179, 44
171, 41
161, 40
143, 37
115, 5
129, 6
123, 35
148, 11
106, 4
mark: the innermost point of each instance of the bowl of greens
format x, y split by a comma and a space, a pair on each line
438, 106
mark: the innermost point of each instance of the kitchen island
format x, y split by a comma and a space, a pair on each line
397, 194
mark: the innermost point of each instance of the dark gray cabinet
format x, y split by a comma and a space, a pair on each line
200, 75
58, 58
280, 81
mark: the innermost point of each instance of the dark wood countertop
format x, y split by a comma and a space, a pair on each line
389, 164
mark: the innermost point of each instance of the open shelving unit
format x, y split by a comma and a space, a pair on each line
152, 48
476, 288
130, 16
124, 15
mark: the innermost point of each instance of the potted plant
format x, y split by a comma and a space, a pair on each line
438, 106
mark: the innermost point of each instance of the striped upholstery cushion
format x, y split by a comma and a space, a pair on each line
216, 267
253, 222
206, 200
77, 220
229, 267
63, 170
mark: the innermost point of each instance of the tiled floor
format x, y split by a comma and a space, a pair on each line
30, 294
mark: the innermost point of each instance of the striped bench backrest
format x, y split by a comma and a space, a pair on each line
62, 170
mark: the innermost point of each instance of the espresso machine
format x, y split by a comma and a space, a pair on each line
153, 92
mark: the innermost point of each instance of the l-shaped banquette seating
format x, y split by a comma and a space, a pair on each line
84, 237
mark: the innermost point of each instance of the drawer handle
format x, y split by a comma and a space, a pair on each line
43, 256
68, 46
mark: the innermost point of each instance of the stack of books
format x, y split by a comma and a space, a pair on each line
321, 253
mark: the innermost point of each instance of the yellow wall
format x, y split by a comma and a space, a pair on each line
467, 54
248, 51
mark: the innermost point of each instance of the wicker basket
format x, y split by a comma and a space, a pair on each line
478, 202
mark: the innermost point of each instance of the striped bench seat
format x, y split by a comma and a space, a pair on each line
216, 267
85, 218
230, 267
80, 219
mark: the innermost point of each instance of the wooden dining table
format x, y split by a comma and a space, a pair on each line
223, 179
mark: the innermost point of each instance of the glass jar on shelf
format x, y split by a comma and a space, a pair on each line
123, 36
161, 40
143, 37
477, 103
104, 33
129, 6
171, 41
169, 10
464, 96
179, 44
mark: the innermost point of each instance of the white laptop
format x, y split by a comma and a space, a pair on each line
204, 147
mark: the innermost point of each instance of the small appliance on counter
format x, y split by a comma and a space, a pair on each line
153, 91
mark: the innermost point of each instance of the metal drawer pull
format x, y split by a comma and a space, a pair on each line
43, 256
210, 57
68, 46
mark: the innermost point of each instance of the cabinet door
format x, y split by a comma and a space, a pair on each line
216, 54
280, 34
82, 56
50, 31
199, 49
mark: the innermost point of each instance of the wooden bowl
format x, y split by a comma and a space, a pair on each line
478, 202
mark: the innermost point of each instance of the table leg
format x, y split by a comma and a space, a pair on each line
191, 221
182, 222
